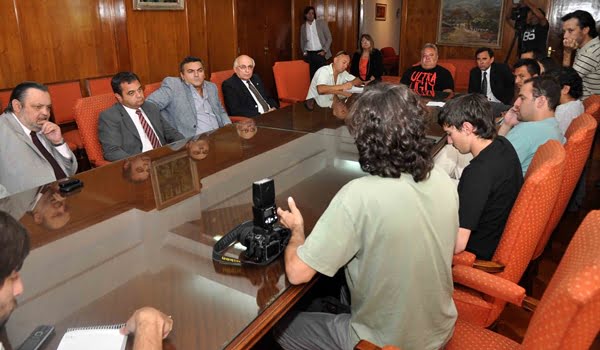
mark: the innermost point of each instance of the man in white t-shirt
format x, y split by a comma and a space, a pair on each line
571, 89
332, 79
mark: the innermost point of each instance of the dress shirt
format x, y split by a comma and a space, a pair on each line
62, 149
146, 144
206, 120
489, 94
261, 110
314, 44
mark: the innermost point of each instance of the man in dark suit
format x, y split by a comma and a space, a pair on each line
499, 81
244, 92
132, 126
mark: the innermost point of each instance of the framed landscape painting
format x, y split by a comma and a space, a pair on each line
470, 23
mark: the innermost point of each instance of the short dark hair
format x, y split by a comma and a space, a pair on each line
483, 49
547, 86
533, 68
569, 76
20, 91
549, 64
122, 77
388, 124
472, 108
14, 246
307, 9
585, 19
189, 59
537, 54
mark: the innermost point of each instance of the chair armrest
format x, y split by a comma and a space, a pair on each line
100, 163
289, 100
463, 258
489, 284
488, 266
366, 345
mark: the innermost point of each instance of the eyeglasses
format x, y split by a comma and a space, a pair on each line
244, 67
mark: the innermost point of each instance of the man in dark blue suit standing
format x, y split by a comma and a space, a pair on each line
244, 92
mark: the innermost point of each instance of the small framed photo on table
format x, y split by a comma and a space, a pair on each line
174, 178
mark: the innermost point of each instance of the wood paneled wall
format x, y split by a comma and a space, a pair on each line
419, 26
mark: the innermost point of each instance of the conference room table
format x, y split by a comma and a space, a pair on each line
144, 238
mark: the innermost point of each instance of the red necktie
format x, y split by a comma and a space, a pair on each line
148, 130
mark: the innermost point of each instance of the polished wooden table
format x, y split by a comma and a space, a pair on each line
100, 253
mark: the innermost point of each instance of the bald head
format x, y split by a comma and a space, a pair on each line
243, 67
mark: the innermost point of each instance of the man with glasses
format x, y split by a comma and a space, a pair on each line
244, 92
132, 125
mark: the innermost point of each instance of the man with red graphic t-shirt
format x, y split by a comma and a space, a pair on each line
427, 78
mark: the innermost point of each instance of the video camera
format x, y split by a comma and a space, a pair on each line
519, 15
263, 238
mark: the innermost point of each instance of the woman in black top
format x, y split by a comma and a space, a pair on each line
367, 61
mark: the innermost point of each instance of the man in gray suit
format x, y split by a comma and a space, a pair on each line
315, 40
132, 126
190, 103
32, 149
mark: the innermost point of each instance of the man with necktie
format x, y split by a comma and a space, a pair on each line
493, 80
32, 149
244, 92
132, 125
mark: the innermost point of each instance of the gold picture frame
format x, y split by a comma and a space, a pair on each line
473, 24
159, 5
380, 11
174, 178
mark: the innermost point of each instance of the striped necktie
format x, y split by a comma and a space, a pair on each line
148, 130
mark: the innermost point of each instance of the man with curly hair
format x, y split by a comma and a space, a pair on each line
393, 231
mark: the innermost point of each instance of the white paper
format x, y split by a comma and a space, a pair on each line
435, 104
97, 338
355, 90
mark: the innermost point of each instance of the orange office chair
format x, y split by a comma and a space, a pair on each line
64, 96
567, 317
292, 79
392, 79
524, 228
390, 60
580, 136
98, 86
150, 88
463, 70
87, 111
4, 99
218, 78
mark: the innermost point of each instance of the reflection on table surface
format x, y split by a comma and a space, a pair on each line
104, 251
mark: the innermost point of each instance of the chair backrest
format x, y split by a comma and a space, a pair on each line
64, 96
568, 316
580, 136
388, 52
4, 99
150, 88
218, 78
87, 111
292, 79
463, 70
98, 86
592, 106
531, 211
393, 79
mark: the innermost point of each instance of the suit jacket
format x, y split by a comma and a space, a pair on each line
322, 32
119, 137
502, 82
374, 67
176, 104
22, 165
238, 99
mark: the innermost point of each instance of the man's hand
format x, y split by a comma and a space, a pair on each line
52, 132
347, 85
150, 318
291, 219
271, 109
321, 53
511, 117
570, 45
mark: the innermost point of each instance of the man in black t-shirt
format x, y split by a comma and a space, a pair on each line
490, 184
535, 33
427, 78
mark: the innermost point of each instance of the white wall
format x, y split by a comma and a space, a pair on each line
385, 33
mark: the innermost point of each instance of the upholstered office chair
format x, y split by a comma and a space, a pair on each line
390, 60
150, 88
87, 111
463, 69
4, 99
98, 86
580, 136
567, 317
524, 228
592, 106
64, 96
392, 79
218, 78
292, 79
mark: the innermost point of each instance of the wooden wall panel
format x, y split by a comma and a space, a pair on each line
158, 40
419, 23
222, 34
12, 65
297, 21
342, 17
196, 14
70, 40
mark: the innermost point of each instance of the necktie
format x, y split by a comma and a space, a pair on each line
484, 84
148, 130
258, 96
58, 172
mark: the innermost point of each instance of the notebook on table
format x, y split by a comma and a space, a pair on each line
94, 338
